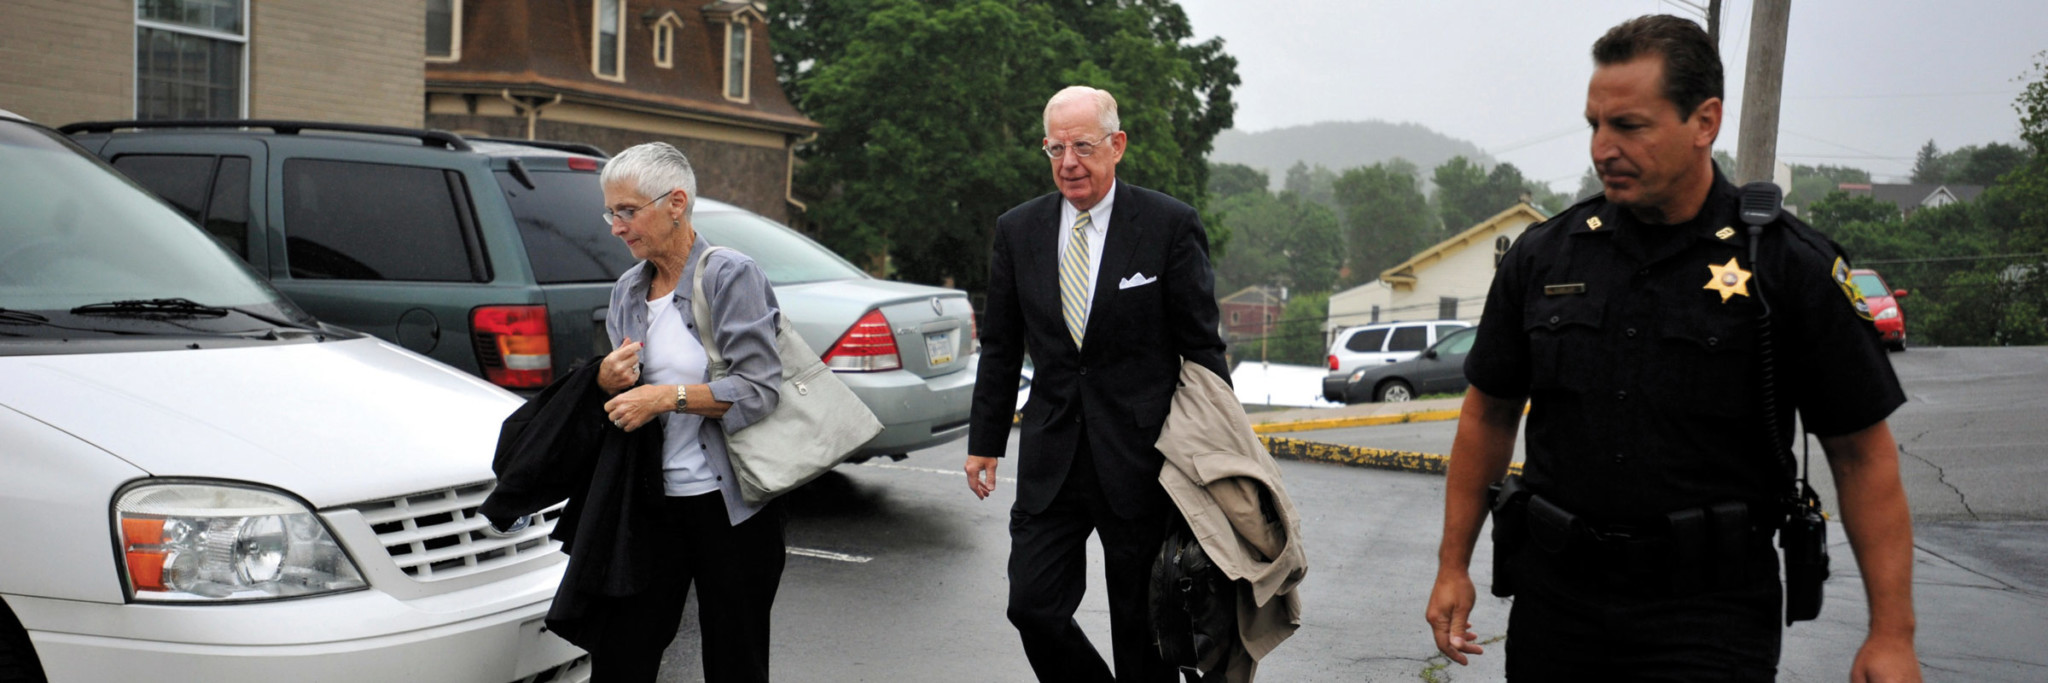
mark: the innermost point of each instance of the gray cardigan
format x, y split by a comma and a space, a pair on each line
743, 315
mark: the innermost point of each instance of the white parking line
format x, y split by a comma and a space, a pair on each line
930, 470
828, 555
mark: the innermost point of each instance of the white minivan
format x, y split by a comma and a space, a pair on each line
200, 482
1380, 344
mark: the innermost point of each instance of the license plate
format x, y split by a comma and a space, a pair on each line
938, 346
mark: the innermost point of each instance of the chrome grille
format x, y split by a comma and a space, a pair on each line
438, 535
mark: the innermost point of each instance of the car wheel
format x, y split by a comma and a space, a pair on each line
18, 662
1396, 391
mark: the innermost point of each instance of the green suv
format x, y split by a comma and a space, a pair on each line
489, 255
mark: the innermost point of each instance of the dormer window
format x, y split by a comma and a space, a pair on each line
738, 65
444, 30
608, 47
665, 40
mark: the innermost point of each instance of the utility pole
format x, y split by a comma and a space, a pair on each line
1756, 151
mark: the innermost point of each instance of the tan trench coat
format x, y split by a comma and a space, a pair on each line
1217, 472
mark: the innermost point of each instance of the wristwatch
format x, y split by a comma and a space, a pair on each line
682, 398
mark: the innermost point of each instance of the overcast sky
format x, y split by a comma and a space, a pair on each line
1867, 82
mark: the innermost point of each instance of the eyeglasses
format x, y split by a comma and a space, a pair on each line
626, 215
1081, 149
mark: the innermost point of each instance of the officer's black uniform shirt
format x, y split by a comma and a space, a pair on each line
1643, 380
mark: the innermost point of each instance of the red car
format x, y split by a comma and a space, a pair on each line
1884, 306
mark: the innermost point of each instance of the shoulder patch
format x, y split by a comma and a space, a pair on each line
1840, 274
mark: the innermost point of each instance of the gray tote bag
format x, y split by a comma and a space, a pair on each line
817, 420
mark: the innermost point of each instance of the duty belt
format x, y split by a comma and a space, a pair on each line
1681, 553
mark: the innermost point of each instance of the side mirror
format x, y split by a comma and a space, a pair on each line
1898, 294
1430, 354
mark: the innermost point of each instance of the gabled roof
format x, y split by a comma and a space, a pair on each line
1256, 295
1913, 195
1404, 273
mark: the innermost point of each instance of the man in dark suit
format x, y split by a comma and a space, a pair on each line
1107, 285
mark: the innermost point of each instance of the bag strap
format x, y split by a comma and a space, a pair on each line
700, 308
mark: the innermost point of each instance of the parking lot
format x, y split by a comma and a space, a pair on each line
896, 571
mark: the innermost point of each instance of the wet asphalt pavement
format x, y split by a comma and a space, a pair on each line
896, 572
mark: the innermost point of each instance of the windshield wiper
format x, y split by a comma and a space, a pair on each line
173, 306
9, 315
181, 306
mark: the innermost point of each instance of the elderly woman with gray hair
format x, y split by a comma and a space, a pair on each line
731, 550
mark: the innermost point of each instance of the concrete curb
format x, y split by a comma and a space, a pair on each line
1354, 421
1360, 456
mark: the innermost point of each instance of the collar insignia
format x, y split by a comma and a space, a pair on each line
1593, 223
1729, 279
1725, 233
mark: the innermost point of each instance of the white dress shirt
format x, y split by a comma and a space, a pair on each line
1097, 232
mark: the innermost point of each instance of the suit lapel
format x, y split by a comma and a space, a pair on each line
1117, 247
1042, 272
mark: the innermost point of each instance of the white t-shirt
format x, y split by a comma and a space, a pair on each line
671, 354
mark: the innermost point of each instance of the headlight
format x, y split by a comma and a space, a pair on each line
1888, 314
203, 542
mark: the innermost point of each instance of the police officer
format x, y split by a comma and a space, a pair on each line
1631, 325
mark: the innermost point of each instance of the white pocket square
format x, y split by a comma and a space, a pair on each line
1135, 280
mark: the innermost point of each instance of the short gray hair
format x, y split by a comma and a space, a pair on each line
1105, 107
655, 169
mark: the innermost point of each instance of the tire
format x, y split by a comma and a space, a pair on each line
1395, 391
18, 662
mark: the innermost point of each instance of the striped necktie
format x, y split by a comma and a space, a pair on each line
1074, 279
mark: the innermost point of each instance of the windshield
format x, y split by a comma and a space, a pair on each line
75, 232
1871, 286
1459, 342
785, 255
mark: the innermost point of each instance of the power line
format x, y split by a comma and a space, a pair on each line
1910, 95
1944, 259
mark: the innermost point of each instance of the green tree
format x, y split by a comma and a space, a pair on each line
1299, 338
1589, 184
1282, 240
1386, 220
931, 113
1230, 180
1467, 193
1316, 184
1928, 165
1984, 165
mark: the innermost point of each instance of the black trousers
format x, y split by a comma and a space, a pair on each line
1581, 621
1048, 575
736, 570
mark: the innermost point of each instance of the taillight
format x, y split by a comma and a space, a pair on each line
1333, 362
512, 345
582, 164
867, 347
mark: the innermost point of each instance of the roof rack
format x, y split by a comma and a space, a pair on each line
571, 147
430, 138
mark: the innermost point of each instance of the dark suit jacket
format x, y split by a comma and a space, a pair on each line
559, 446
1114, 391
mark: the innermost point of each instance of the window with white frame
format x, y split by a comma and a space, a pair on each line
737, 53
608, 51
444, 30
191, 58
665, 40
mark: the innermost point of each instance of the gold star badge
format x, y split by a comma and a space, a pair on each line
1725, 233
1593, 223
1729, 280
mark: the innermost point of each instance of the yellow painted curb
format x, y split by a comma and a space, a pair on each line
1360, 456
1355, 421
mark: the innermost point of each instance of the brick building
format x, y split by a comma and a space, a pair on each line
614, 73
79, 60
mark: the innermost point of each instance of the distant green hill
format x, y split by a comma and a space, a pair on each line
1338, 145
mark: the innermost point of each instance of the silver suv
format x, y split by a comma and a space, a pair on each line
1380, 344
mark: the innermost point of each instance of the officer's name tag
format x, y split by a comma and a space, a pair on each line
1563, 289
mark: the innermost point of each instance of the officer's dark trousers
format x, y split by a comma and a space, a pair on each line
1579, 621
1048, 573
736, 570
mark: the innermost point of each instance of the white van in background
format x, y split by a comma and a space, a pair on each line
1379, 344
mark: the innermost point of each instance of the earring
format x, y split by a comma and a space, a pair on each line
675, 223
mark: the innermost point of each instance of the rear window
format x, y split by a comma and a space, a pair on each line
1368, 341
1871, 286
785, 255
1409, 338
349, 220
558, 221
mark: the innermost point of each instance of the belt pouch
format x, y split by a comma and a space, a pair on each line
1689, 557
1731, 542
1550, 527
